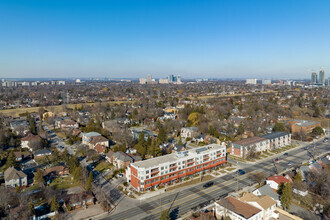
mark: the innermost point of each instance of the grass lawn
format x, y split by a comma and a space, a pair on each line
103, 166
55, 108
230, 169
32, 187
190, 182
63, 183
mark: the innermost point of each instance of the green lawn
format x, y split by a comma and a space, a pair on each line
63, 183
103, 166
32, 187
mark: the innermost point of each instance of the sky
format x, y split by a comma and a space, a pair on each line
194, 38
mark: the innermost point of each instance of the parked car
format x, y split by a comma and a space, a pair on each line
241, 172
289, 164
208, 184
286, 154
326, 140
277, 159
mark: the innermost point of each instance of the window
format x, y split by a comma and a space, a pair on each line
147, 177
179, 163
147, 171
153, 180
162, 168
183, 162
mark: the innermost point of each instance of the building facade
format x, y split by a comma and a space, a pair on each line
241, 148
278, 139
306, 127
174, 167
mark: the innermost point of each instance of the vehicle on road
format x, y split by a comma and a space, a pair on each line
325, 140
289, 164
277, 159
120, 175
306, 148
241, 172
208, 184
286, 154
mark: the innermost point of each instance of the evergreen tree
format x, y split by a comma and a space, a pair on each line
39, 177
54, 205
279, 127
89, 181
162, 135
286, 196
11, 160
165, 215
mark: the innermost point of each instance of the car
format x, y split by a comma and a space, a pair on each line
277, 159
286, 154
208, 184
306, 148
241, 172
120, 175
325, 140
289, 164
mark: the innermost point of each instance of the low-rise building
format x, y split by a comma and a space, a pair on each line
29, 138
236, 209
56, 171
174, 167
121, 160
93, 138
241, 148
267, 190
278, 139
275, 181
264, 203
189, 132
15, 177
42, 153
303, 126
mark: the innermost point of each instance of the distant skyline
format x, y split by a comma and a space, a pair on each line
194, 38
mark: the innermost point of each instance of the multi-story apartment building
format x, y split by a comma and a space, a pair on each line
278, 139
265, 142
173, 167
303, 126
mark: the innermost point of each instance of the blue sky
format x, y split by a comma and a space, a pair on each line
206, 38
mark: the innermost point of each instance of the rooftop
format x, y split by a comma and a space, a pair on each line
304, 123
249, 141
175, 156
13, 173
274, 135
240, 208
264, 201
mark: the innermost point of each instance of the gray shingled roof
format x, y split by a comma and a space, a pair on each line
274, 135
267, 190
13, 173
122, 156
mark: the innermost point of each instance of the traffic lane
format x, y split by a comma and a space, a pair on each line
265, 166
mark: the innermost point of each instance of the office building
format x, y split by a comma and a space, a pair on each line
266, 82
174, 167
314, 78
321, 77
251, 81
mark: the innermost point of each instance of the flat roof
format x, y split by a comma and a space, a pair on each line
173, 157
274, 135
248, 141
304, 123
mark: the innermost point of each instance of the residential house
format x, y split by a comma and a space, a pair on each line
121, 160
189, 132
241, 148
101, 149
56, 171
29, 138
20, 126
278, 139
200, 138
147, 134
78, 200
178, 148
15, 177
66, 124
93, 138
236, 209
306, 127
275, 181
42, 153
19, 156
109, 156
266, 190
264, 203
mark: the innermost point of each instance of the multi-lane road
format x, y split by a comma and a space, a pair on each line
180, 202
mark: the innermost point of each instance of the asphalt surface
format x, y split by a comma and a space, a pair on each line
196, 196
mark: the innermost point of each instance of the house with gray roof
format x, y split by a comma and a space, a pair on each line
15, 177
121, 160
267, 190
